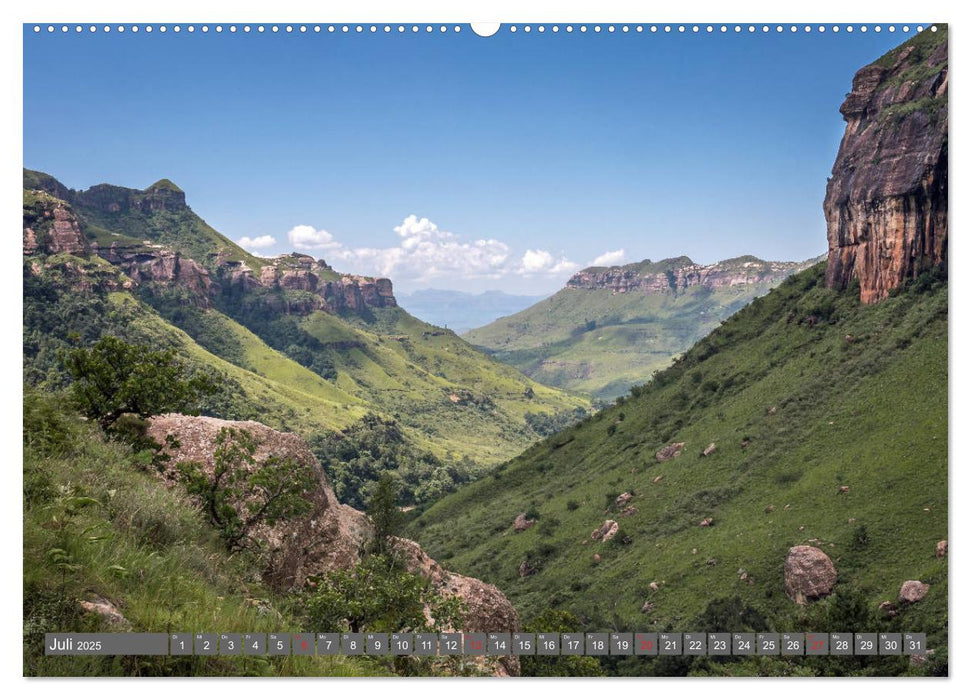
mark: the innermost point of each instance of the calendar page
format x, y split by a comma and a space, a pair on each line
450, 349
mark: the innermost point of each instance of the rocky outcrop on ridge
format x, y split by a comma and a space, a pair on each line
675, 275
886, 203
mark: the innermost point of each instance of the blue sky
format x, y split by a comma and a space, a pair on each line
456, 161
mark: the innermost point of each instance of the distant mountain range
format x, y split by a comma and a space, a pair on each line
461, 311
612, 327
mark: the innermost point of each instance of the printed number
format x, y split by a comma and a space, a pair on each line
842, 645
623, 644
598, 644
182, 645
914, 645
769, 645
669, 644
451, 645
205, 645
377, 645
866, 645
890, 644
720, 645
744, 645
647, 645
694, 646
256, 645
792, 645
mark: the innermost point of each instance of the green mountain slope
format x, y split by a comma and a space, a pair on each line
300, 346
603, 334
802, 392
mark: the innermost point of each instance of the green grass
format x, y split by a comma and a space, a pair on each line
451, 399
869, 413
274, 390
96, 522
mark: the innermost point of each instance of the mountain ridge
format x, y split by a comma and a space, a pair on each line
610, 328
320, 348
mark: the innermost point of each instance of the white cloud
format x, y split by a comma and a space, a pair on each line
542, 262
257, 243
426, 253
611, 257
305, 237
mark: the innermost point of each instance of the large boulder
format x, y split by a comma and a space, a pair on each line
912, 591
522, 523
669, 451
330, 536
487, 609
809, 574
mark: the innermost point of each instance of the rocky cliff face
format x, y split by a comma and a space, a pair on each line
162, 196
54, 222
50, 226
331, 535
886, 204
675, 275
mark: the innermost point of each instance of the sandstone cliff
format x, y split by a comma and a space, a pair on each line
675, 275
886, 204
153, 237
331, 535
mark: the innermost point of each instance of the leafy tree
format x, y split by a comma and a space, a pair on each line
384, 514
240, 494
113, 378
378, 596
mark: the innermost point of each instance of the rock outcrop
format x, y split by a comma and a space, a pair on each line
886, 203
522, 523
51, 227
160, 265
106, 610
53, 218
675, 275
809, 574
912, 591
669, 452
330, 536
605, 532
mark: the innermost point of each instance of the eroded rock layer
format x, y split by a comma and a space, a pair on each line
886, 203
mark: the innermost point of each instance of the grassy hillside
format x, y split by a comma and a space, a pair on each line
96, 523
802, 392
459, 400
601, 343
258, 382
